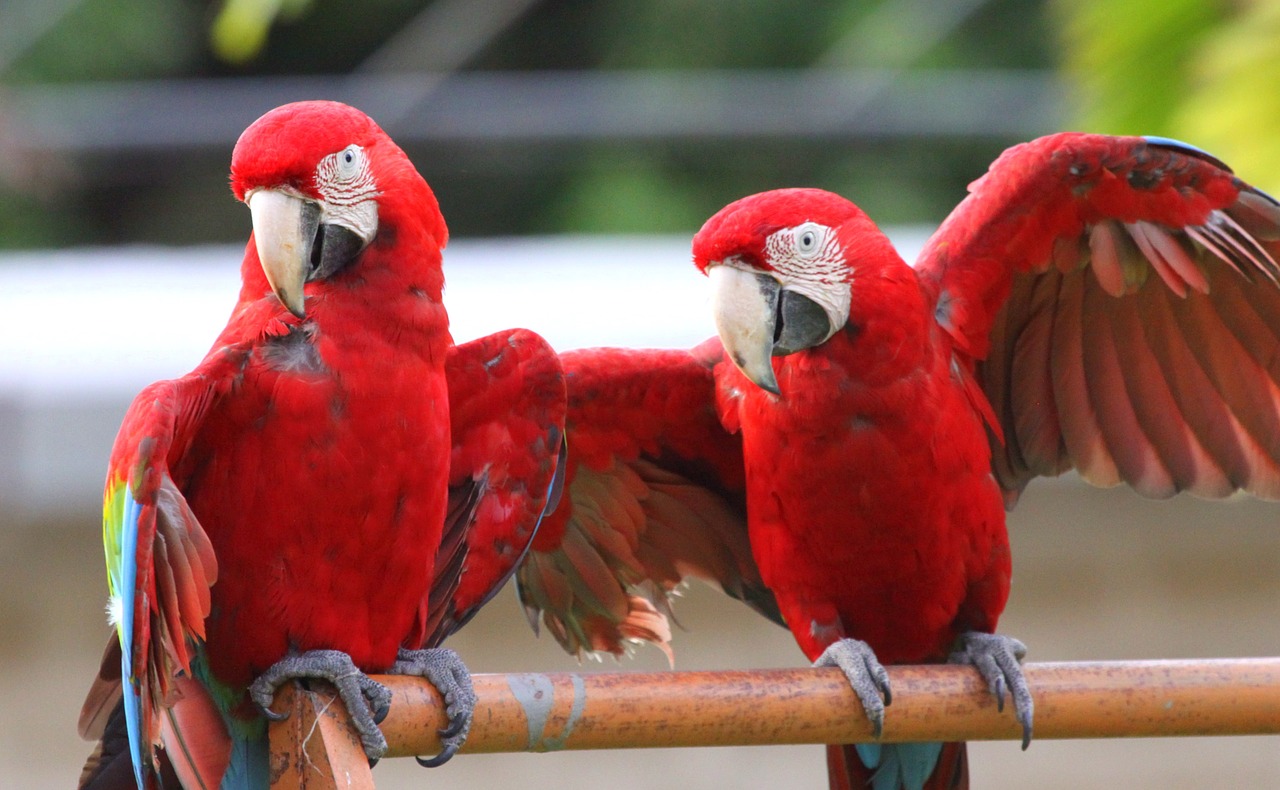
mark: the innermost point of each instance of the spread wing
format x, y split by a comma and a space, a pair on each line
1120, 297
507, 406
160, 566
655, 495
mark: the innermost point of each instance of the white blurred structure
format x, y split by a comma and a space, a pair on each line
83, 330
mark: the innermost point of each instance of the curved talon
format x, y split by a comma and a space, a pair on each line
999, 660
867, 676
263, 693
272, 715
377, 696
443, 669
440, 759
454, 727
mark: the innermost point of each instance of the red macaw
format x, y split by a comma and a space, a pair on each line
333, 490
1108, 304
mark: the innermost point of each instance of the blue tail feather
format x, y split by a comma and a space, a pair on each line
899, 766
249, 763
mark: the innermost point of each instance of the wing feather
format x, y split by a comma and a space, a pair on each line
160, 562
1032, 403
1176, 449
1105, 247
1257, 215
1201, 408
1245, 388
1135, 459
655, 496
1081, 433
506, 406
1168, 259
1121, 306
1229, 366
1252, 315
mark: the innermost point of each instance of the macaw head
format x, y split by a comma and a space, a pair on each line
322, 180
780, 274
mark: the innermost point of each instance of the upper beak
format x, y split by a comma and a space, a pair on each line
284, 230
758, 319
745, 306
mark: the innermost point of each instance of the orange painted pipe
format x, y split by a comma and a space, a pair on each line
549, 712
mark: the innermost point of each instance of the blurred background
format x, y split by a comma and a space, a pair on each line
575, 146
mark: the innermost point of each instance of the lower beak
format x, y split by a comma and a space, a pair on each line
284, 230
745, 306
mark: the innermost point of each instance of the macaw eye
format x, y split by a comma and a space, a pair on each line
810, 238
350, 161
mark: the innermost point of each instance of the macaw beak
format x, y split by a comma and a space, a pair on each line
299, 242
284, 230
757, 319
745, 306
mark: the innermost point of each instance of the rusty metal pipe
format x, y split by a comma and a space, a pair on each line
549, 712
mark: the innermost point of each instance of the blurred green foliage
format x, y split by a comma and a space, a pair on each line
1203, 71
1130, 60
1233, 95
239, 31
109, 39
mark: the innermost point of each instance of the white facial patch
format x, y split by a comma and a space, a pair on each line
809, 261
348, 189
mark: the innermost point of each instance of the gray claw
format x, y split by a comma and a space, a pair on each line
999, 660
440, 759
363, 696
867, 676
453, 727
443, 669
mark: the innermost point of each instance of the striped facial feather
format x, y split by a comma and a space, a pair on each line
346, 185
344, 178
809, 260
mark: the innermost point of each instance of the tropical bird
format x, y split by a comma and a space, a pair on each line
333, 490
1104, 304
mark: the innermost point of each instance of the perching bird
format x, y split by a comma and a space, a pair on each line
335, 487
1108, 304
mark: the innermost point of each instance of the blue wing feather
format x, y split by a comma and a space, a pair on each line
1186, 148
127, 593
120, 525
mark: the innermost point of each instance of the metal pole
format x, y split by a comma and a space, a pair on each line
548, 712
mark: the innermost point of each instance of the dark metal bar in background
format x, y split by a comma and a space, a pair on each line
837, 104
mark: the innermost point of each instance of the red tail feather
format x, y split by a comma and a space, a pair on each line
195, 738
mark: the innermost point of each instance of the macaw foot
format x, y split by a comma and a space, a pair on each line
444, 670
866, 674
999, 660
367, 700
